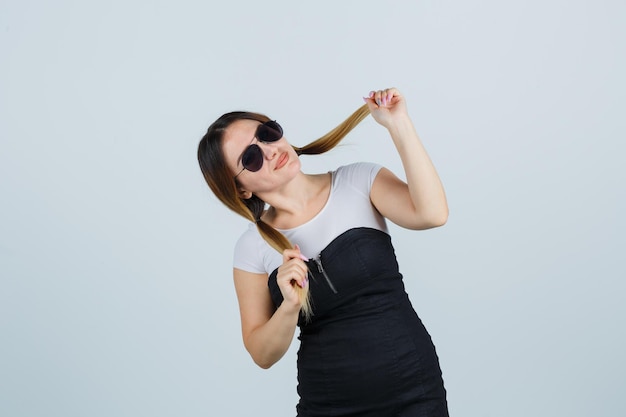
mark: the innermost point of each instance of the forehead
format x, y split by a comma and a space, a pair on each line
237, 136
241, 127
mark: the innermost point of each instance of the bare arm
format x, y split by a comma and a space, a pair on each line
267, 332
420, 203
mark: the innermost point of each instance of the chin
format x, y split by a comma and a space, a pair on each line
294, 165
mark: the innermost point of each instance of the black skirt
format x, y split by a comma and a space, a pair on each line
364, 352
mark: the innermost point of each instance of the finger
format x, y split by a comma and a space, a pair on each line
301, 281
293, 269
369, 100
304, 258
295, 276
289, 254
381, 98
388, 95
385, 96
378, 97
370, 103
393, 95
298, 267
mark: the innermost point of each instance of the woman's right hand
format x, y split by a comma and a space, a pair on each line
292, 272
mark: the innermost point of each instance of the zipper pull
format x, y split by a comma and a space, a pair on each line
320, 269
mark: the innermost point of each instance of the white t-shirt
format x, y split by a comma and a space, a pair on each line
348, 206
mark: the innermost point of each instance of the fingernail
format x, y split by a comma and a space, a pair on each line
304, 258
384, 101
365, 99
371, 94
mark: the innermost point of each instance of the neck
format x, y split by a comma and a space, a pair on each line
297, 201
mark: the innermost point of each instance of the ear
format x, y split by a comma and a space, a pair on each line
244, 194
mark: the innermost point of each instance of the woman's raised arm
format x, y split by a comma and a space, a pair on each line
420, 203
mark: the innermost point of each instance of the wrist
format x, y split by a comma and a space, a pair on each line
289, 308
400, 126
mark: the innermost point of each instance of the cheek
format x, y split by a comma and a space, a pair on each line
294, 162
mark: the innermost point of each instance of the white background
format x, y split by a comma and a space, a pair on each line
116, 297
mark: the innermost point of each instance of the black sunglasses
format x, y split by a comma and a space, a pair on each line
252, 158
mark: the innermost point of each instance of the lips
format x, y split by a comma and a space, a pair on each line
282, 160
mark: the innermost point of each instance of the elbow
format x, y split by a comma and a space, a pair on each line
440, 217
431, 221
261, 360
263, 363
440, 220
262, 357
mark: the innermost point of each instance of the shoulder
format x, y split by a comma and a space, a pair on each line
358, 168
359, 174
248, 237
249, 250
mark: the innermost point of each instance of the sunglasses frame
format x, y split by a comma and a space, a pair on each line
271, 127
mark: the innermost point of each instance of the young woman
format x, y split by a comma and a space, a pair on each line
317, 255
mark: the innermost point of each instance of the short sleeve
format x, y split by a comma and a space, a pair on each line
248, 251
360, 176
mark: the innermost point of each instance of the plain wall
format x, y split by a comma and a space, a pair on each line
116, 296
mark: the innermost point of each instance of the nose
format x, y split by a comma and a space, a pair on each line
268, 149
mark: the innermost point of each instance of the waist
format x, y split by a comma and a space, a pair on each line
359, 309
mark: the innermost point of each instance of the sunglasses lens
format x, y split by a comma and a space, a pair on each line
252, 158
269, 132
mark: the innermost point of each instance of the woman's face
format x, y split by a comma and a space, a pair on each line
280, 161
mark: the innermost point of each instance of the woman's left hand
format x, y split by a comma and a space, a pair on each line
386, 106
